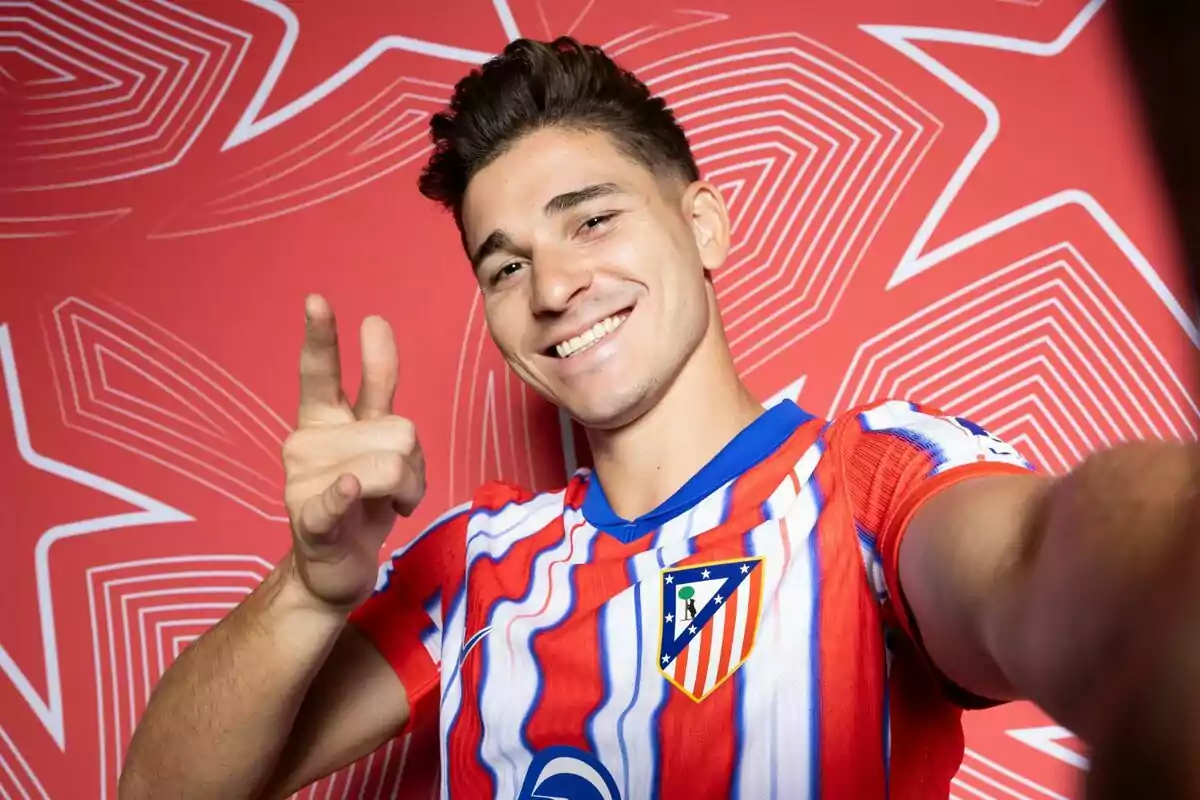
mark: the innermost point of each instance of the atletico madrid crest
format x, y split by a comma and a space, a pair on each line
710, 619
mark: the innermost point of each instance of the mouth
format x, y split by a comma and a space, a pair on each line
573, 347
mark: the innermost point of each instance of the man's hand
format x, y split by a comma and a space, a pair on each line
1151, 739
350, 469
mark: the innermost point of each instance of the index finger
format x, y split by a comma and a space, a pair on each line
320, 363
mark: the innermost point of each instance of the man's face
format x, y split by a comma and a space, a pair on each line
592, 270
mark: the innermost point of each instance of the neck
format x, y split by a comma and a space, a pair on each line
706, 406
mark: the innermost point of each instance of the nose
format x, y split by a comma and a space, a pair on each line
557, 280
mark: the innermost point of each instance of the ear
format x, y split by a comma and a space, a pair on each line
704, 208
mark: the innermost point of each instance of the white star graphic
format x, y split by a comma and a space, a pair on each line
705, 574
789, 392
670, 617
718, 599
150, 512
916, 260
1046, 740
692, 629
666, 659
251, 124
669, 579
745, 568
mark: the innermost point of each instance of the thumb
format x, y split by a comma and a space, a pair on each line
321, 514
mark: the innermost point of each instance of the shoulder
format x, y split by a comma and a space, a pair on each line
494, 496
510, 502
887, 415
900, 429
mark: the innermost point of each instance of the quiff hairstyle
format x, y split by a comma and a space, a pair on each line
534, 85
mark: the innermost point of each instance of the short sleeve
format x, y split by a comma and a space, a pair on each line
897, 455
403, 615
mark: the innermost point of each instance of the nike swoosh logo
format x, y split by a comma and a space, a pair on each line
475, 639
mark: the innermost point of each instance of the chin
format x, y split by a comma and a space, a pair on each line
614, 411
602, 421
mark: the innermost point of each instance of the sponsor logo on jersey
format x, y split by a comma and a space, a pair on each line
567, 773
710, 618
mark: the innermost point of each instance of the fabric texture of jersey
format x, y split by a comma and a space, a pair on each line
744, 639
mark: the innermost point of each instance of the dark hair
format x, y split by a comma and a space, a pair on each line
533, 85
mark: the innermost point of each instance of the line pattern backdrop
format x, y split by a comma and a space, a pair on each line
946, 201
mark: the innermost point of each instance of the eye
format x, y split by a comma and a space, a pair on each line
592, 224
507, 271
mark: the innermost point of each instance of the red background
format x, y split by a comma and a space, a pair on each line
945, 200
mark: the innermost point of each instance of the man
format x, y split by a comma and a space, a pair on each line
856, 582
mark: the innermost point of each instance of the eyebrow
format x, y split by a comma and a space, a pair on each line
568, 200
498, 240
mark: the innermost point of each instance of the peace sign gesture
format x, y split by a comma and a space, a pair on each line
350, 468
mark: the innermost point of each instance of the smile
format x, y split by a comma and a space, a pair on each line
577, 344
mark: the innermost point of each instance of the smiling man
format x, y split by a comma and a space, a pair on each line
737, 601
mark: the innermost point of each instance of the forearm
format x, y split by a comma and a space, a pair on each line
220, 716
1109, 537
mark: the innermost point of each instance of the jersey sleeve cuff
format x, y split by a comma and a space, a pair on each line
891, 566
399, 641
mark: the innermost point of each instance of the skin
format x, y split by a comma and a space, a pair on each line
1020, 586
645, 248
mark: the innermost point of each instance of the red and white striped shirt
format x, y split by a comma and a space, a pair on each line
742, 640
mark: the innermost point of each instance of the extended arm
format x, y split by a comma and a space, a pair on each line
1040, 588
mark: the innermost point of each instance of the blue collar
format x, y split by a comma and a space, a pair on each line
753, 444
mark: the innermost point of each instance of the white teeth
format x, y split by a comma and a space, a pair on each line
589, 337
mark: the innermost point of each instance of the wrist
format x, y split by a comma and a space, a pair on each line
293, 596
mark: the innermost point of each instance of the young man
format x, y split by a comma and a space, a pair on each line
736, 602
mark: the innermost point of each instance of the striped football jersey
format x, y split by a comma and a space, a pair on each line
744, 639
